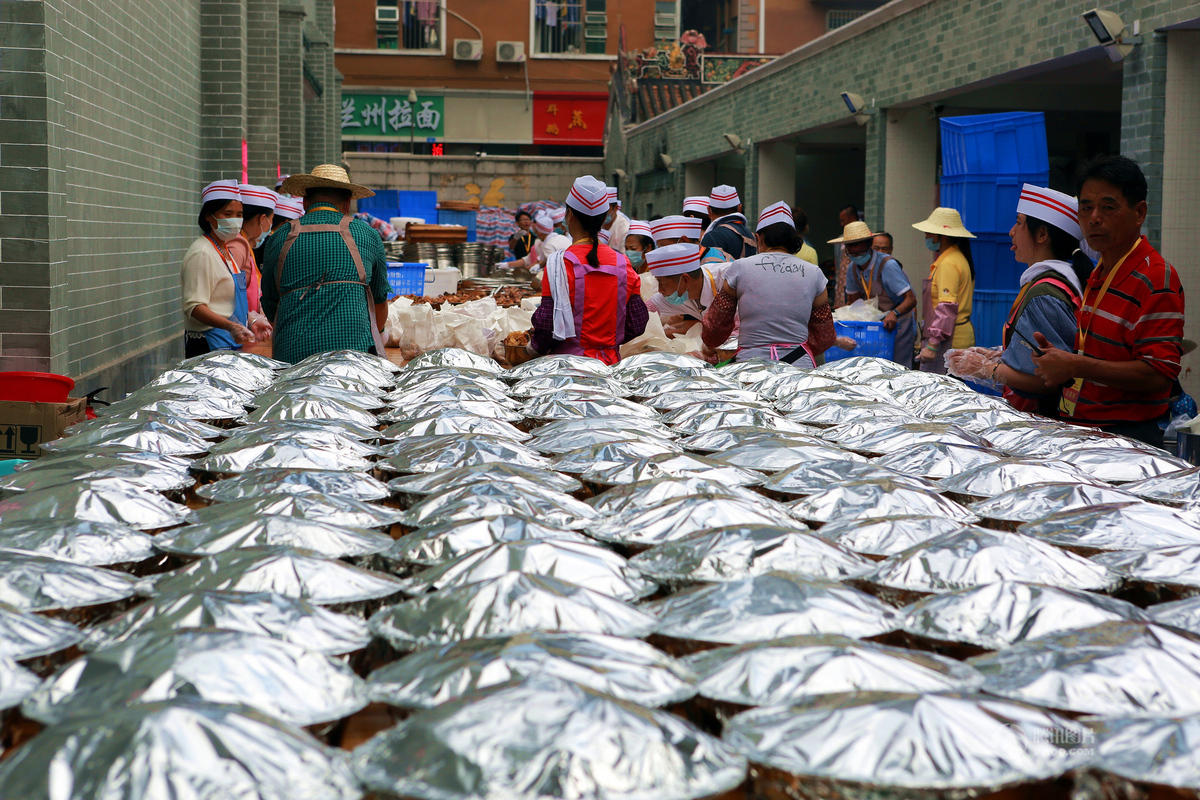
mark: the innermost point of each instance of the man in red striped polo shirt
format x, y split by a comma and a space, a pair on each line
1130, 336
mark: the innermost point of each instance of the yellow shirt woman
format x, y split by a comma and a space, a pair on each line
951, 282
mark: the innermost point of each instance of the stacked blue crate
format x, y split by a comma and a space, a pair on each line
464, 218
985, 160
388, 203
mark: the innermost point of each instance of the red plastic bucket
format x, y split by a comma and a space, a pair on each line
35, 387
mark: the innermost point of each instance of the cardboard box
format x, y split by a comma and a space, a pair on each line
23, 426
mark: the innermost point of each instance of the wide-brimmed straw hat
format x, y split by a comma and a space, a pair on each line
854, 232
944, 222
326, 176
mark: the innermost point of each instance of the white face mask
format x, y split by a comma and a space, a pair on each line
228, 228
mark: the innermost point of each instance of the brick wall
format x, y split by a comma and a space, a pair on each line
262, 93
291, 86
222, 70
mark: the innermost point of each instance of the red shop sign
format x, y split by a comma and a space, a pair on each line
569, 117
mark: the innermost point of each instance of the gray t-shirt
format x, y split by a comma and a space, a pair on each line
775, 296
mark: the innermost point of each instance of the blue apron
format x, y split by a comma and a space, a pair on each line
219, 338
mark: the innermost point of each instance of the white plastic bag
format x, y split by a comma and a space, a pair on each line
859, 311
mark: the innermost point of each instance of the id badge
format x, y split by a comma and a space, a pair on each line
1070, 398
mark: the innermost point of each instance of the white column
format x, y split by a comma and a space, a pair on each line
910, 186
776, 173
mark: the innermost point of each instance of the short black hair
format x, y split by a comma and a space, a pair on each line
780, 234
891, 239
800, 217
253, 212
328, 193
696, 274
1123, 173
523, 213
647, 241
853, 209
208, 209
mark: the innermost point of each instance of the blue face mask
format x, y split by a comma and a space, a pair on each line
262, 238
933, 244
680, 297
862, 258
636, 257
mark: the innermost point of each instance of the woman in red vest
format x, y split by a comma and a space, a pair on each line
591, 296
1046, 238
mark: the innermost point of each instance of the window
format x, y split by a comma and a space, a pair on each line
408, 25
571, 27
843, 16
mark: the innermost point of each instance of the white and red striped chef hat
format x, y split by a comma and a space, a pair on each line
777, 212
1053, 208
612, 195
257, 196
724, 196
604, 236
588, 196
543, 223
221, 190
638, 227
696, 203
674, 259
675, 226
289, 207
558, 215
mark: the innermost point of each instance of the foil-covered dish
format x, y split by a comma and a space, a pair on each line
627, 669
1177, 566
547, 505
183, 748
276, 480
871, 744
669, 465
554, 365
879, 440
559, 444
288, 619
1029, 503
25, 634
657, 491
431, 393
722, 439
161, 477
446, 376
434, 453
1180, 488
90, 543
678, 517
311, 430
287, 681
561, 405
782, 671
16, 683
1040, 439
588, 565
444, 424
1124, 465
780, 455
512, 603
325, 539
687, 416
887, 536
860, 368
755, 371
742, 551
286, 407
938, 460
33, 582
622, 424
455, 357
292, 455
997, 615
998, 477
666, 402
549, 384
1161, 752
1111, 669
149, 435
1183, 613
816, 476
291, 573
879, 498
447, 541
367, 401
435, 482
770, 606
333, 509
745, 417
1117, 526
550, 746
478, 408
975, 556
611, 454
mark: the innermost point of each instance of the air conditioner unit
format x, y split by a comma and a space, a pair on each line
468, 49
387, 14
510, 52
664, 20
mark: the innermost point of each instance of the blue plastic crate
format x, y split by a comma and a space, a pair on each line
996, 269
388, 203
464, 218
994, 144
987, 203
872, 340
989, 312
406, 277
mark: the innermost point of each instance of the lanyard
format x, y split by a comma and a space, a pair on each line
867, 287
1084, 330
223, 252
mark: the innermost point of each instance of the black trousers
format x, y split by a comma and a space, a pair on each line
193, 347
1147, 431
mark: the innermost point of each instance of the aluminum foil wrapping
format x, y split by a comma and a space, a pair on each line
624, 426
312, 430
332, 509
431, 393
1183, 613
789, 670
1028, 503
151, 436
834, 412
305, 407
16, 683
431, 454
611, 454
937, 460
155, 477
552, 365
975, 556
571, 406
627, 669
90, 543
291, 573
999, 477
876, 440
322, 538
111, 455
25, 635
1177, 566
1038, 439
1153, 751
367, 401
284, 680
264, 613
686, 417
1124, 465
647, 494
578, 444
411, 377
181, 400
1117, 526
455, 357
447, 541
512, 603
183, 748
768, 607
33, 582
282, 455
444, 424
673, 465
548, 384
588, 565
679, 517
232, 359
662, 383
920, 742
778, 456
274, 480
1181, 488
108, 501
436, 482
886, 536
742, 551
860, 368
816, 476
723, 439
671, 401
478, 408
559, 740
748, 417
867, 499
1001, 614
360, 373
755, 371
469, 502
1111, 669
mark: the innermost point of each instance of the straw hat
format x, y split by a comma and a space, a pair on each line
854, 232
944, 222
328, 176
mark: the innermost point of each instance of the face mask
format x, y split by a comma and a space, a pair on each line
636, 257
228, 228
862, 258
262, 238
680, 297
933, 244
